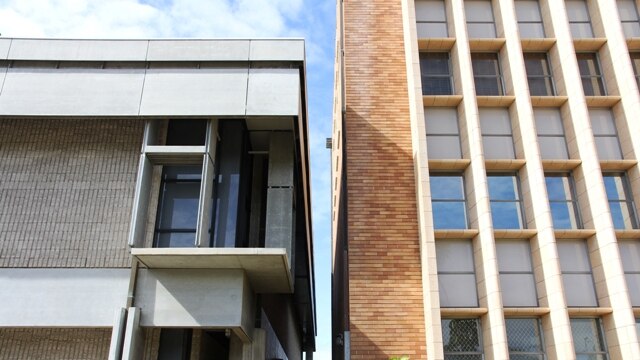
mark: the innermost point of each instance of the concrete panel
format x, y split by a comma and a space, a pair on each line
192, 298
5, 44
279, 224
220, 91
74, 297
273, 92
281, 166
76, 50
29, 91
198, 50
274, 50
3, 73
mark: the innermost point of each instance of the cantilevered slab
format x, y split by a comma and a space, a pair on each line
267, 269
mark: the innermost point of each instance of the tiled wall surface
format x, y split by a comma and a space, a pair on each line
54, 344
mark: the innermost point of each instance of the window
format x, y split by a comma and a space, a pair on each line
506, 204
443, 135
529, 19
516, 273
175, 344
437, 78
448, 201
524, 338
539, 74
579, 20
630, 254
553, 144
588, 339
620, 201
431, 19
605, 134
497, 139
576, 273
592, 80
462, 340
564, 207
480, 23
487, 74
456, 273
629, 17
635, 61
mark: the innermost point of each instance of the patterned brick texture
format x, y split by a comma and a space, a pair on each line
54, 344
385, 286
66, 191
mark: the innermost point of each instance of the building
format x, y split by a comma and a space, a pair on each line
155, 200
486, 180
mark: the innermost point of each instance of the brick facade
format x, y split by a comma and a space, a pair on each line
54, 344
385, 286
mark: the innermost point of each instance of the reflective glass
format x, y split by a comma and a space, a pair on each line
588, 340
447, 187
592, 82
449, 215
488, 86
524, 339
461, 335
563, 209
506, 215
622, 208
502, 187
485, 64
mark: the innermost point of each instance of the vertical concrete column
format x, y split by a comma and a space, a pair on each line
239, 350
494, 334
134, 339
117, 335
280, 192
430, 292
259, 344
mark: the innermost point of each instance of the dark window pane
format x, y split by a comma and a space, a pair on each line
434, 63
461, 335
432, 30
536, 64
488, 86
449, 215
176, 239
186, 132
593, 86
523, 335
180, 205
485, 64
436, 86
541, 87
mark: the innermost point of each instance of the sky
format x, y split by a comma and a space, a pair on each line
313, 20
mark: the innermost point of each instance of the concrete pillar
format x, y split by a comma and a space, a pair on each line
259, 344
134, 338
117, 335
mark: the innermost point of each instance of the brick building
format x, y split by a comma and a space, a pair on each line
485, 179
154, 200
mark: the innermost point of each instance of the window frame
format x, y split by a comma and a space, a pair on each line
469, 243
599, 76
457, 134
463, 200
628, 198
499, 76
600, 334
588, 21
547, 78
449, 75
531, 272
580, 272
562, 135
624, 22
631, 272
492, 22
446, 25
541, 22
572, 202
519, 201
542, 354
607, 136
466, 354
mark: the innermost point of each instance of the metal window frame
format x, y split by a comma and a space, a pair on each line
581, 21
498, 76
549, 70
616, 135
473, 265
576, 272
464, 194
573, 196
457, 134
541, 22
600, 334
535, 289
492, 22
518, 192
560, 135
542, 353
480, 339
628, 197
599, 75
437, 76
636, 21
438, 22
161, 203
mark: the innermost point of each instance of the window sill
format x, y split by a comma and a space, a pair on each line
588, 44
430, 44
495, 101
267, 269
459, 312
537, 44
602, 101
560, 164
456, 234
525, 311
486, 44
504, 164
633, 43
514, 233
621, 165
548, 101
628, 234
448, 164
574, 233
441, 100
589, 311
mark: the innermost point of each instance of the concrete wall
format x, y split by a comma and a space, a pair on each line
54, 344
66, 191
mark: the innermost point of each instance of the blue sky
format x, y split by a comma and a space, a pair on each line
313, 20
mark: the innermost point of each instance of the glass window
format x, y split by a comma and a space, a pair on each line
516, 273
487, 74
553, 144
448, 201
635, 61
576, 273
630, 254
539, 74
506, 204
629, 17
605, 133
592, 80
437, 78
529, 19
443, 135
620, 201
462, 339
562, 199
480, 23
497, 139
431, 19
524, 338
174, 344
579, 20
588, 339
456, 273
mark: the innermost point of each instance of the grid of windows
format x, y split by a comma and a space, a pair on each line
506, 202
579, 19
487, 74
621, 202
435, 69
588, 339
551, 138
448, 201
456, 273
529, 19
443, 134
497, 138
605, 134
576, 273
592, 79
524, 338
539, 74
630, 254
562, 199
516, 273
629, 17
462, 339
480, 21
431, 19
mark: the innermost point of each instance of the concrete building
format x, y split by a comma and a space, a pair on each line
155, 200
486, 180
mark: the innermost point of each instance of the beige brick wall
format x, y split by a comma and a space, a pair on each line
54, 344
66, 190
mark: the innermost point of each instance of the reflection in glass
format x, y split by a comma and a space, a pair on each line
448, 201
506, 207
461, 338
564, 209
621, 204
588, 339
